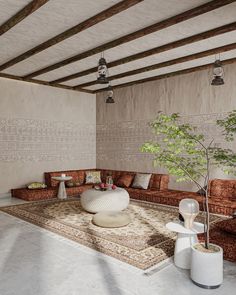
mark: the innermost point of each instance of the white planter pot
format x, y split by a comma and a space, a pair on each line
207, 268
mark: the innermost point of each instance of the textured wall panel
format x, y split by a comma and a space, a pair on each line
43, 129
123, 127
41, 140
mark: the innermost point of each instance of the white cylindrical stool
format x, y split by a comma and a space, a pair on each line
185, 239
111, 200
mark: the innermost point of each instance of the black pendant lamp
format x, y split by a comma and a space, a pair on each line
110, 93
218, 73
102, 71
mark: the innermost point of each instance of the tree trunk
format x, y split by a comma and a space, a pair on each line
207, 236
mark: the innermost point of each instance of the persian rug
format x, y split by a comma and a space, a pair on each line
143, 243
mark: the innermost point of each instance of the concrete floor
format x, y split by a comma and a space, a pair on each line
34, 261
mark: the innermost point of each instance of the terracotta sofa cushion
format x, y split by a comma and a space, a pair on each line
222, 189
228, 225
125, 180
159, 181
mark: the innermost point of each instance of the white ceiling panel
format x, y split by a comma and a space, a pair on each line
11, 7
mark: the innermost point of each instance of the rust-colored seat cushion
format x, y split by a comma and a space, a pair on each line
222, 189
228, 225
165, 197
125, 180
34, 194
222, 207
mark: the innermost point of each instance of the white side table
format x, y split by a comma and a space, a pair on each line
185, 239
62, 190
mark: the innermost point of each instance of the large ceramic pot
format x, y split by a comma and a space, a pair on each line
207, 267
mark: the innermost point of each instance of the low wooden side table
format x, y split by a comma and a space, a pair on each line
62, 190
185, 239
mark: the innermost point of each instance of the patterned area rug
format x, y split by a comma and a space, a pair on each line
143, 243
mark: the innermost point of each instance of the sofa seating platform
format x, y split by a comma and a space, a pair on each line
222, 193
173, 197
46, 193
34, 194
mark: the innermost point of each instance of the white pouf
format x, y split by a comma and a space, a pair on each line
111, 200
111, 219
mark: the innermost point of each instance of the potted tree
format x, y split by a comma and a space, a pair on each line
188, 155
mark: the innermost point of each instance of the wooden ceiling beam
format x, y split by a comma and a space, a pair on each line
212, 5
41, 82
21, 15
105, 14
167, 63
168, 75
182, 42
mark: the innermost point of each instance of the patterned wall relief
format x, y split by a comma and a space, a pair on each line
120, 142
44, 140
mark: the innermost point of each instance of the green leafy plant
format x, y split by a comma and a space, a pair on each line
187, 155
226, 158
229, 125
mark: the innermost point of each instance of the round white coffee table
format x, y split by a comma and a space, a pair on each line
111, 200
185, 239
62, 190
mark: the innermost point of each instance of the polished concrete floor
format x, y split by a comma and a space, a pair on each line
34, 261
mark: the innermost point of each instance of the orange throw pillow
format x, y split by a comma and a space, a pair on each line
125, 180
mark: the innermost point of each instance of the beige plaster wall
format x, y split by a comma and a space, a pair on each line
43, 129
122, 127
